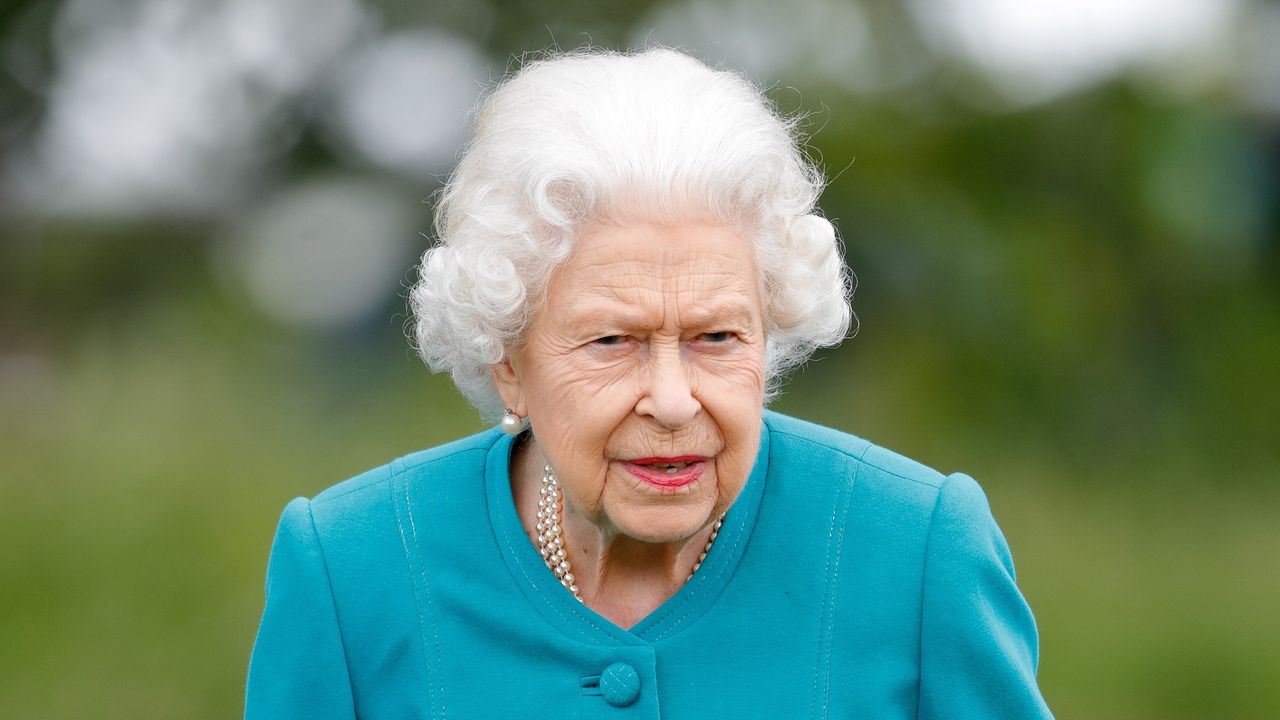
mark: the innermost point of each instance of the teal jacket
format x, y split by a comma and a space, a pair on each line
846, 582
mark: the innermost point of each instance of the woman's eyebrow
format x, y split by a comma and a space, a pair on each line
606, 311
616, 315
717, 313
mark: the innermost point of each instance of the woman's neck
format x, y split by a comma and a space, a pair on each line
619, 577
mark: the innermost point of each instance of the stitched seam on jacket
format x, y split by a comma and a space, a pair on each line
422, 625
435, 627
924, 578
501, 532
724, 567
826, 618
554, 605
333, 600
826, 573
835, 581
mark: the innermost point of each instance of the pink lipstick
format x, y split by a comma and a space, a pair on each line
667, 472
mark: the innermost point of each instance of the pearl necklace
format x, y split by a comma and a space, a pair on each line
551, 536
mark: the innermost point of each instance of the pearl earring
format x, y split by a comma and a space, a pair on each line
511, 423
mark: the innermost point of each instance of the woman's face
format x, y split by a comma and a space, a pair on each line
643, 376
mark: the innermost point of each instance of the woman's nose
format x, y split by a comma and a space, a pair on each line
668, 393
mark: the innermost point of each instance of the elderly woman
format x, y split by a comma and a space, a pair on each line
628, 261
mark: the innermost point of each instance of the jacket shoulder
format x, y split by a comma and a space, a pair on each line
361, 522
371, 486
866, 461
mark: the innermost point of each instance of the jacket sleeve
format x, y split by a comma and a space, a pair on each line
299, 667
978, 644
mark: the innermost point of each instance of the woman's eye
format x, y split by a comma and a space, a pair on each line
717, 337
609, 340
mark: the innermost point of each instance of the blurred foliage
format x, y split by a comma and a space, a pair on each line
1078, 302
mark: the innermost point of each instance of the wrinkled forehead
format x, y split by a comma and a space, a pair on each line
691, 263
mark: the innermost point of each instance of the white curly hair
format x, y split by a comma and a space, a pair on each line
592, 136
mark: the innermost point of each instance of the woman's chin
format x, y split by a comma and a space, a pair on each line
662, 524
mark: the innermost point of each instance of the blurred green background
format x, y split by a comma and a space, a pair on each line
1064, 216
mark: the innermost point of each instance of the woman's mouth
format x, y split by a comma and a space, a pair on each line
667, 472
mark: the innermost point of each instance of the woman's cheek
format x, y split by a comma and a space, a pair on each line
601, 368
580, 378
738, 375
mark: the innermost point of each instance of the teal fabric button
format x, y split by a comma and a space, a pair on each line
620, 684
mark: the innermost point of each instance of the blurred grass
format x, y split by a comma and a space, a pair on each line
149, 468
147, 464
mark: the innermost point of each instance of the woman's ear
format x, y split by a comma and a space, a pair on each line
507, 381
